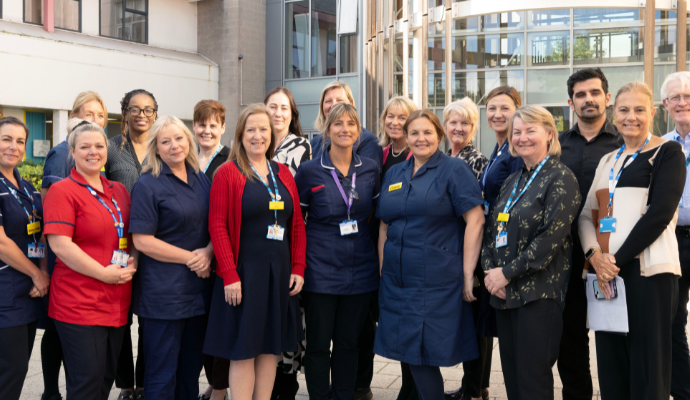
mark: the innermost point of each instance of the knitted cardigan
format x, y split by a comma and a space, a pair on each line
225, 221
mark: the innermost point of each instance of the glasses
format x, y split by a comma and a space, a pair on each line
136, 111
676, 99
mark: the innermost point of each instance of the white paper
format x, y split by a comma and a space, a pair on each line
607, 315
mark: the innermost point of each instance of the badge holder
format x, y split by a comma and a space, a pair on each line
486, 208
275, 232
348, 227
607, 224
36, 250
502, 236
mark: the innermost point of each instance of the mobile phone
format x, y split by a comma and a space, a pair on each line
597, 293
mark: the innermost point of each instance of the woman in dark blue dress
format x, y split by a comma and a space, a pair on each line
429, 242
169, 226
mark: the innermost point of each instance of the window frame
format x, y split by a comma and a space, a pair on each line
125, 10
40, 24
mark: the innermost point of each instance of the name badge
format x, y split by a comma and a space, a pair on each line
501, 239
607, 225
395, 186
36, 250
348, 227
123, 244
120, 258
33, 228
275, 232
503, 217
276, 205
486, 208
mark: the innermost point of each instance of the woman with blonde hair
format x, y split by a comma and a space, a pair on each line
169, 226
461, 121
259, 243
391, 136
334, 93
526, 254
627, 229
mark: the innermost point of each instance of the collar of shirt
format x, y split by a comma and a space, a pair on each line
608, 128
433, 162
78, 178
191, 175
17, 176
674, 135
328, 164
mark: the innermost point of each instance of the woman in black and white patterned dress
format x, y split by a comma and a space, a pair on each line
461, 120
292, 149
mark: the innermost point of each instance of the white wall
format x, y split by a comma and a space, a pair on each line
13, 112
12, 10
172, 24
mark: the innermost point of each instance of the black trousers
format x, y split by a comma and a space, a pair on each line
337, 318
573, 357
638, 366
478, 371
365, 362
126, 377
680, 378
91, 354
528, 339
16, 344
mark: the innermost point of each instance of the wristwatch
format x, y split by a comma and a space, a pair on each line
590, 253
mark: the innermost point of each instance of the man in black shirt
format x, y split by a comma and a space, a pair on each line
592, 137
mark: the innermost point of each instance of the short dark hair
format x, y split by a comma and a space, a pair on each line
585, 75
15, 121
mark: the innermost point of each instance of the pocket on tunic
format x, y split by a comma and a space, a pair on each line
442, 267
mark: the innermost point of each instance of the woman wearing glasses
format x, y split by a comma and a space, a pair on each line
338, 190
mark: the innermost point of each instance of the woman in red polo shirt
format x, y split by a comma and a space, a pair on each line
86, 222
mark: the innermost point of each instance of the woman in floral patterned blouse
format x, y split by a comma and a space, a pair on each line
460, 121
526, 255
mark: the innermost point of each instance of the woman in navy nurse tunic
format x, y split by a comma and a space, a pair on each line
169, 226
23, 276
338, 190
429, 243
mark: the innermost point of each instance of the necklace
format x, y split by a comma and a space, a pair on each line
397, 155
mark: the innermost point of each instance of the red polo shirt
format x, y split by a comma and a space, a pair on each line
70, 210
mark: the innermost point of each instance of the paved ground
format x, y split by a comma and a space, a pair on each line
385, 385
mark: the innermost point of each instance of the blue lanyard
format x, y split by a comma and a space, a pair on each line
33, 216
612, 183
220, 146
119, 225
511, 203
491, 163
274, 197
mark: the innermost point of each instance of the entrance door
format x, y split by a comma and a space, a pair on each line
36, 121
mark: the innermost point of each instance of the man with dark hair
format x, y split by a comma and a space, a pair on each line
592, 137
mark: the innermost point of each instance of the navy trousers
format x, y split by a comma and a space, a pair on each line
174, 357
680, 378
16, 344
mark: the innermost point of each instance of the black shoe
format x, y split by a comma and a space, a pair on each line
485, 394
363, 394
53, 397
454, 394
140, 395
202, 397
125, 395
290, 387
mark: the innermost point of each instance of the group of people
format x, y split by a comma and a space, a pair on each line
277, 255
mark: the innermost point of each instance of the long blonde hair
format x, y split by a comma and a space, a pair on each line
237, 151
320, 122
154, 163
403, 103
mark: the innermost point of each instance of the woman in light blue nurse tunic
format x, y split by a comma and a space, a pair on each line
430, 237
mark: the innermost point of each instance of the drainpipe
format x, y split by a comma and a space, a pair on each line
49, 15
240, 58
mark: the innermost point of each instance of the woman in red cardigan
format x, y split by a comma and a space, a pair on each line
258, 238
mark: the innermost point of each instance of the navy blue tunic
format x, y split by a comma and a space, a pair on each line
339, 265
176, 213
423, 318
367, 146
16, 307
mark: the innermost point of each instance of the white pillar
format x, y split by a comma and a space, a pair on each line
60, 118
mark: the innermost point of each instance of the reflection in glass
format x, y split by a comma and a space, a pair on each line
410, 86
665, 16
437, 90
547, 86
464, 25
660, 74
549, 18
348, 53
561, 117
487, 51
410, 53
66, 13
619, 76
612, 45
551, 48
297, 40
491, 22
665, 43
323, 38
663, 124
605, 16
398, 9
138, 5
397, 55
135, 27
397, 85
476, 85
437, 54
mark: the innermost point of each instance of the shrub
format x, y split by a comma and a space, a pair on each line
32, 171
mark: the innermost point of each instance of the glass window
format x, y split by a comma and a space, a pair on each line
308, 114
67, 13
437, 28
323, 38
410, 53
561, 116
660, 74
410, 86
398, 9
665, 43
552, 48
619, 76
487, 137
477, 84
613, 45
487, 51
437, 90
605, 16
665, 16
307, 91
353, 83
465, 25
491, 22
662, 124
297, 40
348, 54
437, 54
547, 85
398, 54
397, 85
124, 19
548, 18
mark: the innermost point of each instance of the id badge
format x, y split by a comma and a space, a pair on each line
36, 250
33, 228
486, 208
275, 232
502, 239
120, 258
607, 225
276, 205
348, 227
